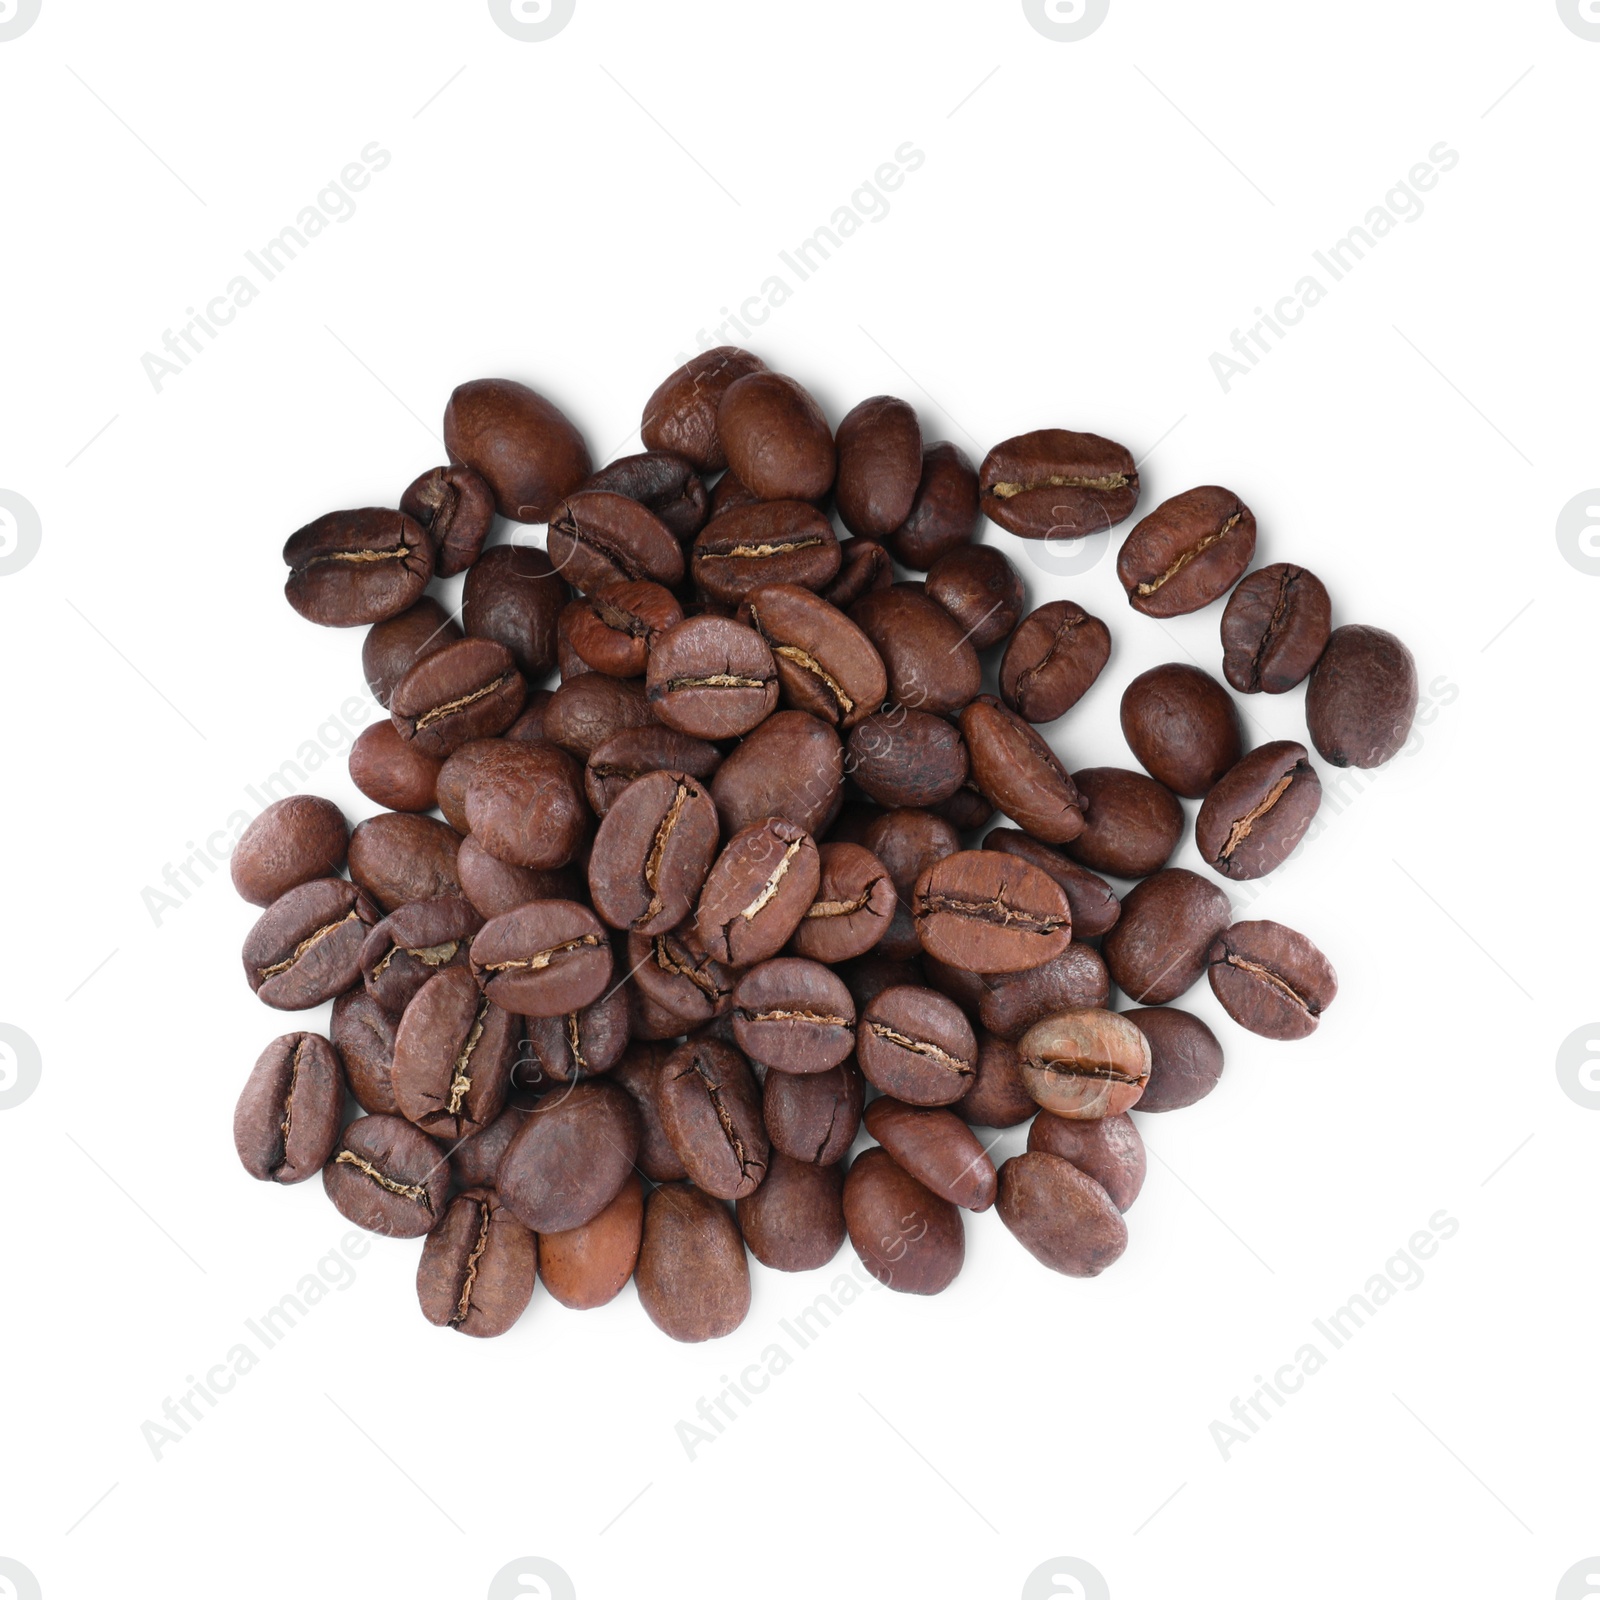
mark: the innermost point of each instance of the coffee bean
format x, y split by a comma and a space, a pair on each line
1185, 1058
711, 1112
635, 752
772, 541
1259, 811
1011, 1002
826, 664
571, 1156
907, 758
392, 773
981, 590
1158, 948
917, 1045
880, 466
456, 509
1086, 1064
391, 649
987, 912
652, 853
388, 1177
639, 1073
1132, 823
1019, 773
1095, 908
586, 712
1182, 726
675, 972
363, 1037
1271, 980
795, 1221
529, 726
478, 1267
1362, 697
938, 1149
293, 841
518, 442
1060, 1215
681, 416
791, 766
354, 567
543, 960
968, 809
613, 628
475, 1161
711, 678
854, 905
458, 770
597, 539
583, 1043
665, 483
794, 1016
967, 989
494, 888
1052, 660
759, 888
468, 690
776, 438
1274, 628
944, 513
814, 1116
931, 666
398, 857
306, 946
908, 1238
585, 1267
998, 1097
1053, 484
864, 568
693, 1278
412, 944
453, 1050
1109, 1150
287, 1120
1189, 551
526, 806
514, 595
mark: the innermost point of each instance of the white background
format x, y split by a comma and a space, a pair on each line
1091, 222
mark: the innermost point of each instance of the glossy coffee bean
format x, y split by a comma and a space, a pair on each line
980, 588
351, 568
597, 539
665, 483
456, 508
907, 758
681, 415
513, 595
759, 888
1274, 628
864, 568
986, 912
585, 1267
293, 841
1109, 1150
711, 1112
494, 887
391, 649
944, 512
795, 1221
613, 628
398, 857
854, 905
583, 1043
518, 442
571, 1156
1060, 1215
1185, 1058
1052, 661
1189, 551
478, 1267
363, 1036
526, 806
931, 666
412, 944
772, 541
791, 766
1019, 773
1084, 1064
814, 1116
287, 1120
584, 713
937, 1148
469, 690
712, 678
1258, 812
998, 1097
1095, 908
693, 1278
639, 1073
306, 946
826, 664
392, 773
908, 1238
776, 438
453, 1051
1271, 980
917, 1045
652, 853
1132, 823
635, 752
543, 960
880, 466
1182, 726
794, 1015
388, 1177
674, 971
1053, 484
1011, 1002
1159, 946
1362, 697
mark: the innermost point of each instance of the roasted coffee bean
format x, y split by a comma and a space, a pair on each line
518, 442
665, 483
653, 852
1012, 1002
944, 513
711, 1111
1189, 551
987, 912
1060, 1215
412, 944
529, 727
494, 887
967, 989
938, 1149
674, 971
1362, 697
907, 758
1053, 660
1182, 726
391, 649
1019, 773
597, 539
880, 466
639, 1072
398, 857
388, 1177
478, 1267
711, 678
635, 752
363, 1036
1109, 1150
1132, 824
354, 567
981, 590
826, 664
968, 809
998, 1097
613, 629
759, 888
392, 773
1274, 628
864, 568
293, 841
794, 1015
306, 946
868, 976
581, 1044
854, 905
1159, 946
776, 438
795, 1221
1052, 484
287, 1120
1095, 908
586, 1267
453, 1051
908, 841
1271, 980
475, 1161
1084, 1064
457, 772
526, 806
456, 508
681, 416
908, 1238
514, 596
730, 495
931, 665
1185, 1058
773, 541
790, 766
543, 960
918, 1046
585, 712
814, 1116
1259, 811
693, 1278
469, 690
571, 1156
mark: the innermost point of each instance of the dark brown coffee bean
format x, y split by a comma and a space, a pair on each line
1271, 980
391, 649
864, 568
469, 690
795, 1221
791, 766
453, 1051
1060, 1215
581, 1044
585, 712
1095, 908
731, 495
998, 1097
526, 807
1132, 824
1182, 726
388, 1177
1019, 773
1189, 551
826, 664
938, 1149
908, 841
529, 726
908, 1238
1362, 697
585, 1267
1185, 1058
513, 595
478, 1267
1158, 948
944, 513
794, 1015
880, 466
456, 508
674, 971
665, 483
398, 857
987, 912
413, 943
681, 416
814, 1116
639, 1073
287, 1120
1012, 1002
693, 1278
1052, 660
759, 888
711, 1111
931, 665
1053, 484
917, 1045
652, 853
475, 1161
776, 438
543, 960
457, 772
635, 752
1109, 1150
854, 905
907, 758
495, 888
354, 567
306, 946
613, 628
293, 841
597, 539
1086, 1064
571, 1156
773, 541
522, 446
1274, 628
363, 1036
1259, 811
981, 590
392, 773
711, 678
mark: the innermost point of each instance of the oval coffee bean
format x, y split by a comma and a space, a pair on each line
712, 678
398, 857
514, 596
634, 752
453, 1051
1084, 1064
388, 1177
287, 1120
665, 483
931, 664
1095, 908
456, 508
681, 415
363, 1035
581, 1044
776, 438
864, 568
772, 541
354, 567
526, 807
675, 973
794, 1015
1274, 628
853, 908
584, 712
938, 1149
986, 912
980, 588
1182, 726
908, 841
586, 1267
306, 946
1271, 980
469, 690
998, 1097
693, 1278
1258, 813
1019, 773
917, 1045
571, 1156
652, 853
391, 649
523, 447
1362, 698
494, 887
1011, 1002
880, 466
597, 539
758, 889
1053, 660
1054, 484
795, 1220
457, 771
1159, 946
293, 841
907, 758
412, 944
826, 664
711, 1112
475, 1161
944, 514
1132, 823
478, 1267
543, 960
639, 1073
1185, 1058
613, 628
791, 766
392, 773
908, 1238
814, 1116
1189, 551
1109, 1150
1060, 1215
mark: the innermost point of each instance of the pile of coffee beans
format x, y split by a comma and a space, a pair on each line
700, 829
